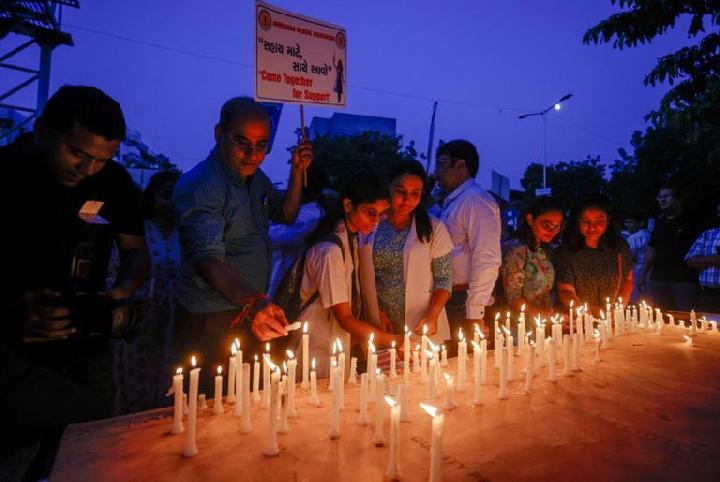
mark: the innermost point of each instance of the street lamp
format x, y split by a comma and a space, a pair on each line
555, 106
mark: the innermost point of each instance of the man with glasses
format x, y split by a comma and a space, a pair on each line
224, 205
472, 218
66, 203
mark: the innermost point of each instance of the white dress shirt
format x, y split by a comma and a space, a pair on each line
472, 218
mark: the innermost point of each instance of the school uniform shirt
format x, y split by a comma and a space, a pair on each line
707, 244
418, 279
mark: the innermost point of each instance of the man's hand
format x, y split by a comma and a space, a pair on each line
302, 157
431, 325
269, 322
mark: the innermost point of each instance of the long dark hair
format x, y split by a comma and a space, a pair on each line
423, 226
361, 188
537, 207
156, 181
612, 239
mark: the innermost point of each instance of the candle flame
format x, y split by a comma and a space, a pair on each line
687, 338
272, 366
497, 316
425, 329
339, 345
233, 349
461, 335
290, 354
602, 315
528, 333
448, 377
391, 403
476, 328
267, 347
482, 335
432, 345
312, 364
178, 371
393, 344
371, 348
407, 330
506, 330
432, 411
429, 354
522, 308
443, 348
193, 361
572, 303
219, 370
371, 340
285, 367
237, 342
620, 299
256, 357
305, 328
476, 346
417, 347
597, 334
378, 372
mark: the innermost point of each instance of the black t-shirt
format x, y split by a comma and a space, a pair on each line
45, 243
671, 240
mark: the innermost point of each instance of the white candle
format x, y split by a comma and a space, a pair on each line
202, 403
552, 375
266, 376
540, 340
477, 375
393, 471
497, 335
423, 355
393, 355
245, 424
435, 443
571, 315
379, 435
363, 399
217, 403
483, 360
476, 333
372, 365
283, 424
502, 391
462, 361
530, 372
271, 448
352, 377
688, 341
232, 366
185, 404
449, 392
402, 398
443, 357
256, 380
521, 319
238, 377
576, 353
509, 348
671, 319
190, 448
567, 367
177, 426
416, 359
341, 373
305, 358
597, 346
314, 400
292, 373
433, 376
507, 320
406, 356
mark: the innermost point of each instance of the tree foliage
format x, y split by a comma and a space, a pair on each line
569, 180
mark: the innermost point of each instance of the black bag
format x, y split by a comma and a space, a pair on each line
287, 295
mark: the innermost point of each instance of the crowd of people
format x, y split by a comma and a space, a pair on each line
111, 288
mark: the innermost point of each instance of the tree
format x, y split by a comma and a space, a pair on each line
569, 181
681, 144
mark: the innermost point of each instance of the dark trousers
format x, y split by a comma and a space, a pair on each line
455, 308
674, 296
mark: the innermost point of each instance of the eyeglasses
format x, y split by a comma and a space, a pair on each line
244, 145
550, 227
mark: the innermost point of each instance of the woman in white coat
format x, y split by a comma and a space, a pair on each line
406, 272
330, 276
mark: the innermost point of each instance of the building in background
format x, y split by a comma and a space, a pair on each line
351, 125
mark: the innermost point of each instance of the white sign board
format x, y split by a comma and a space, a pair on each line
545, 191
298, 59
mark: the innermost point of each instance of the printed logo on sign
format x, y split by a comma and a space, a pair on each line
264, 19
340, 40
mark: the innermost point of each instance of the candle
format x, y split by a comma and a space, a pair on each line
379, 436
540, 340
372, 365
245, 425
502, 390
509, 348
520, 331
393, 354
476, 333
314, 400
352, 377
483, 359
688, 341
406, 356
462, 361
306, 357
423, 355
530, 363
266, 376
393, 471
450, 391
521, 318
177, 426
496, 335
435, 443
433, 376
217, 403
566, 355
185, 404
576, 353
443, 357
283, 424
416, 359
570, 314
363, 399
190, 448
256, 380
238, 377
292, 369
477, 375
232, 366
271, 448
333, 361
597, 346
552, 375
202, 403
402, 398
671, 319
341, 373
507, 320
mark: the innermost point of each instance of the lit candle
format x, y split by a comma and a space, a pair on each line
352, 377
393, 471
423, 355
521, 318
372, 365
502, 390
477, 376
333, 361
245, 424
540, 340
566, 355
496, 335
292, 373
238, 376
190, 444
379, 436
177, 426
576, 353
266, 376
688, 341
256, 380
443, 357
450, 391
283, 423
671, 319
416, 359
341, 373
507, 320
402, 398
435, 443
406, 356
217, 403
552, 375
271, 448
476, 333
483, 359
232, 366
597, 346
521, 330
530, 362
462, 361
363, 399
571, 315
433, 369
314, 400
306, 357
509, 348
393, 355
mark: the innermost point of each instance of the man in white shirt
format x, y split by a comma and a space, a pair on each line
472, 218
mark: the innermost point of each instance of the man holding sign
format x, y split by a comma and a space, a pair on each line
223, 206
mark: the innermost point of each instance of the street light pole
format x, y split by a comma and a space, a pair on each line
542, 113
